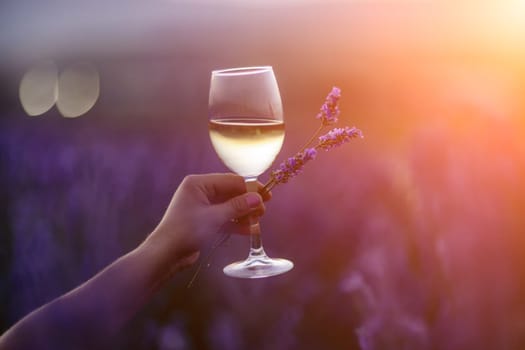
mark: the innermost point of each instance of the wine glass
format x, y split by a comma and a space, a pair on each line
247, 131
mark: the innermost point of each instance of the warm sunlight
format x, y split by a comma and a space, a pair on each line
411, 237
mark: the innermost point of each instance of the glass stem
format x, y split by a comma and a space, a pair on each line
256, 247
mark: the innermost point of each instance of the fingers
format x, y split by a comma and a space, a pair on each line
243, 205
217, 187
221, 187
226, 199
247, 204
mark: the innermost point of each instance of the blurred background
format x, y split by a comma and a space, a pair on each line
411, 238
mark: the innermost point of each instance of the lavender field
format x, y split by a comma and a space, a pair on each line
410, 238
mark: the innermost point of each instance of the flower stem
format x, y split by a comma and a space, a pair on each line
267, 186
207, 259
312, 138
271, 183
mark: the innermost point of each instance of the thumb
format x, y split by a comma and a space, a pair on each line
237, 206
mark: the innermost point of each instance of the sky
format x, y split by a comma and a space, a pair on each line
33, 29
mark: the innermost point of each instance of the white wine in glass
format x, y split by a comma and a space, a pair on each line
247, 131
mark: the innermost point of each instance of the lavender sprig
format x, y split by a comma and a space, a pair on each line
294, 165
328, 114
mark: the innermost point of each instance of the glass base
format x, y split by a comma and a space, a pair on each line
258, 267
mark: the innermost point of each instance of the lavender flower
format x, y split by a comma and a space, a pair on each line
337, 137
292, 166
330, 109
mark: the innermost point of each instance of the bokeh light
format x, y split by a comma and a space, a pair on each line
78, 89
38, 90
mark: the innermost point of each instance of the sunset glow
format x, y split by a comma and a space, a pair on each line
412, 236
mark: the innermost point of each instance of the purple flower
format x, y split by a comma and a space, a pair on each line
292, 166
337, 137
330, 109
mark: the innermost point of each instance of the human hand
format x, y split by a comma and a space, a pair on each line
202, 206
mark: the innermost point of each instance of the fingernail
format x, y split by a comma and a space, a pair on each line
253, 200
